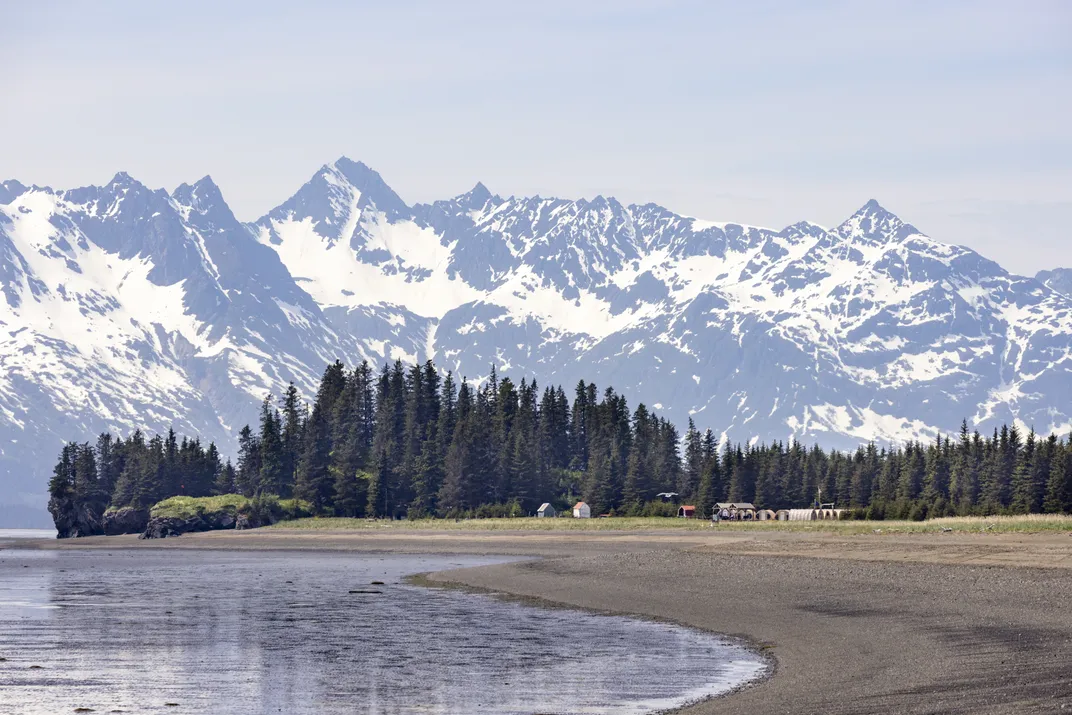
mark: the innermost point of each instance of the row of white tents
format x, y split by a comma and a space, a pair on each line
743, 511
740, 511
811, 514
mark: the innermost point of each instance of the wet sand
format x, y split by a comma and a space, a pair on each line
922, 623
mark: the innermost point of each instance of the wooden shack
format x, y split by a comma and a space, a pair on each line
546, 510
687, 512
582, 511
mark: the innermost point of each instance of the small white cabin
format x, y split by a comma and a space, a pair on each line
581, 511
546, 510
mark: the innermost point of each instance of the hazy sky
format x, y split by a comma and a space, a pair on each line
957, 116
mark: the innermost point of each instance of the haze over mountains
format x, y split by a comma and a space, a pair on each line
127, 307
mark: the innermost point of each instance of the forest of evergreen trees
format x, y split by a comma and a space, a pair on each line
414, 442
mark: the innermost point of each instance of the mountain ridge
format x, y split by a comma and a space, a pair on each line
159, 307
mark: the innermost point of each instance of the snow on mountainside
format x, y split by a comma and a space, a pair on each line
125, 307
1059, 279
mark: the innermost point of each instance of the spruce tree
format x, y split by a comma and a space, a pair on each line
61, 486
1058, 498
291, 435
313, 479
272, 478
247, 474
710, 490
225, 480
639, 471
689, 484
1023, 497
959, 478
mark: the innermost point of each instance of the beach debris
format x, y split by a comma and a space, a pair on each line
947, 529
876, 531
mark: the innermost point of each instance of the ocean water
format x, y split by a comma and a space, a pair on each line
291, 632
11, 534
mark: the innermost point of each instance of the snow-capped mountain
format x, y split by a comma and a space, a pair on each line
126, 307
1059, 279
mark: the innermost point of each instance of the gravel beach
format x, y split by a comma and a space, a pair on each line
923, 623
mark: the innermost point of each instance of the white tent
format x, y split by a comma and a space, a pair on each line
802, 515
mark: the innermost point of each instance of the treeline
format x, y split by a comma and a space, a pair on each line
410, 441
137, 472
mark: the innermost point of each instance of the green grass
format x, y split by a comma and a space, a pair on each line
188, 507
993, 524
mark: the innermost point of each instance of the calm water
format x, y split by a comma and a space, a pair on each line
10, 534
281, 632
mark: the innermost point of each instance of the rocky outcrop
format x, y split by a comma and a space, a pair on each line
181, 514
73, 518
126, 520
247, 520
161, 527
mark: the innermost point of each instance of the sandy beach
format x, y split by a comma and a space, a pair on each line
920, 623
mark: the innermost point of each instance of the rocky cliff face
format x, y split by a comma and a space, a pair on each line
126, 307
162, 527
126, 520
74, 519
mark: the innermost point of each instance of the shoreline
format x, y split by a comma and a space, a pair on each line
441, 580
919, 623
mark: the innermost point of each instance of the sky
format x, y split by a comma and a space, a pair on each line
956, 116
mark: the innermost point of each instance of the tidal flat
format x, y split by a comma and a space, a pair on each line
192, 631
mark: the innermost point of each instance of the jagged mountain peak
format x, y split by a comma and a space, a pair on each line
475, 198
11, 190
478, 194
203, 188
123, 179
206, 199
872, 207
206, 182
355, 169
373, 188
335, 198
874, 224
804, 229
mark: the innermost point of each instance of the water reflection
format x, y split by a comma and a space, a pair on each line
311, 633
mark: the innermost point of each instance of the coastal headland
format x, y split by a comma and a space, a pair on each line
853, 622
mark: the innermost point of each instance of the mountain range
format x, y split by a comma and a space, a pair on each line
125, 307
